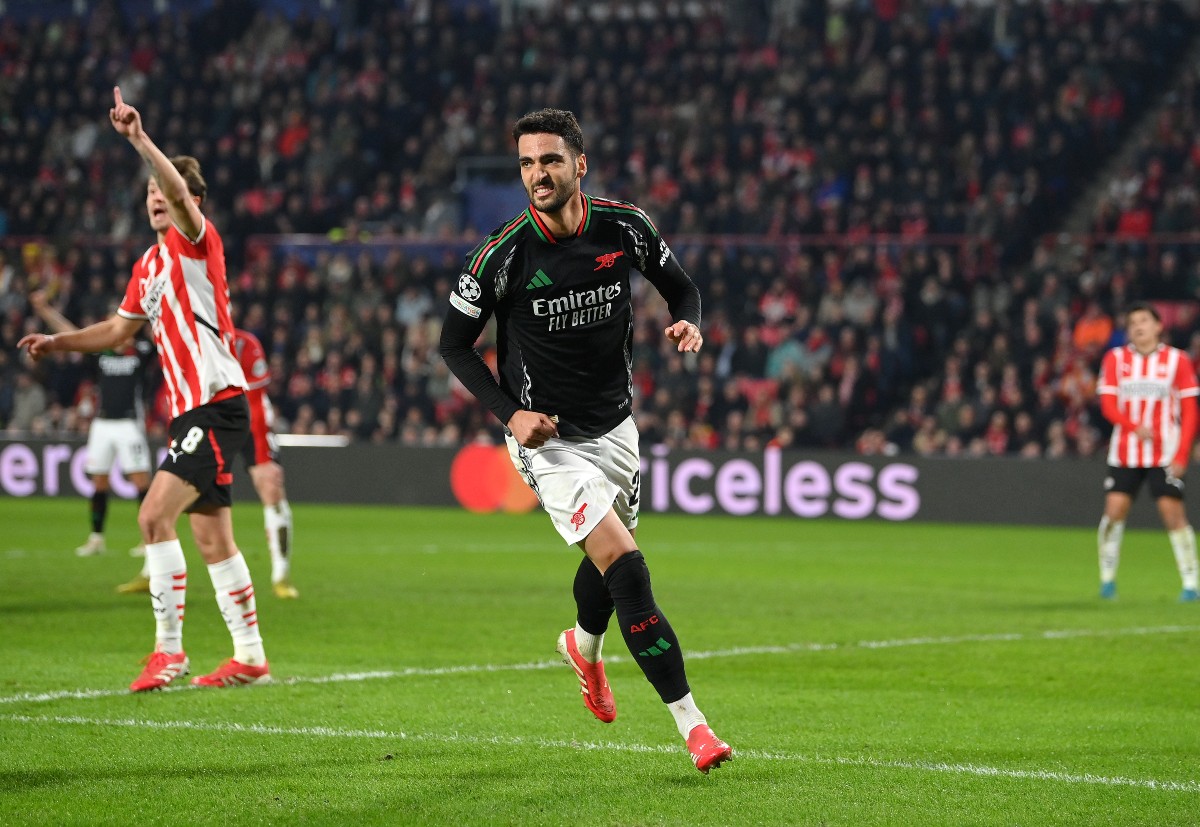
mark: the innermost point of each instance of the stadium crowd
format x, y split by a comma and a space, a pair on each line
860, 191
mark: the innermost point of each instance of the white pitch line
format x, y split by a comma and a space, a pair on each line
603, 746
740, 651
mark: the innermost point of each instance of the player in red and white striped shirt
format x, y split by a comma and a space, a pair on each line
1148, 392
261, 453
179, 286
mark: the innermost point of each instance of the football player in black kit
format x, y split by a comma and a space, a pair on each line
118, 429
557, 279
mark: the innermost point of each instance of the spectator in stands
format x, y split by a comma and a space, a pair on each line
1092, 331
749, 357
29, 402
296, 148
826, 419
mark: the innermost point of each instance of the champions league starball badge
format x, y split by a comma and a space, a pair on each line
468, 288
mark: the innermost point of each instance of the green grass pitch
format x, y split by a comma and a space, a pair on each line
864, 673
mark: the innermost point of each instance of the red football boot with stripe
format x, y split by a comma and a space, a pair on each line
708, 751
593, 685
161, 669
233, 673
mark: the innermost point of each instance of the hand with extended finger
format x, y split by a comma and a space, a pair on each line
39, 344
125, 119
686, 337
531, 429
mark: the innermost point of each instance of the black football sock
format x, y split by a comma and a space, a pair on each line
99, 511
593, 604
649, 636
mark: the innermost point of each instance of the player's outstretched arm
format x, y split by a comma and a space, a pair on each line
104, 335
181, 205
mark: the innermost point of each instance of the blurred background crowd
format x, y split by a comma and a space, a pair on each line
915, 223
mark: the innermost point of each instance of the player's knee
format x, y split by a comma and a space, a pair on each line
1174, 518
154, 529
628, 577
270, 494
213, 547
1116, 509
155, 525
276, 479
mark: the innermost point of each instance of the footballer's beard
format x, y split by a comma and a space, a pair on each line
563, 193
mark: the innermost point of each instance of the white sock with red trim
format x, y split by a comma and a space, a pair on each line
167, 570
1183, 543
235, 598
278, 522
1109, 543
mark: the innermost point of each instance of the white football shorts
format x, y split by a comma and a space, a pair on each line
122, 439
577, 479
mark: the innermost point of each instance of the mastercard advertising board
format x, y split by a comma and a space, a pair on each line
484, 479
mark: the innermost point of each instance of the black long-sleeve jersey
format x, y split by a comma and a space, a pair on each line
564, 314
121, 379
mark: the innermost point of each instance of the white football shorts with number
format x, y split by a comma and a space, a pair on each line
123, 439
577, 479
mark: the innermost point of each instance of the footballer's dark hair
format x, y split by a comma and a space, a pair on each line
559, 122
1147, 307
189, 168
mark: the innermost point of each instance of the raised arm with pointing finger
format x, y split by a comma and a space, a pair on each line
179, 287
178, 203
182, 206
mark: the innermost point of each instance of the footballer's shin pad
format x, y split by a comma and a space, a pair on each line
649, 636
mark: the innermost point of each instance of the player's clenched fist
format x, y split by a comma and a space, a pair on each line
531, 429
686, 336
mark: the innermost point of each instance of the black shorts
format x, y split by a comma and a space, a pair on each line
1129, 481
204, 442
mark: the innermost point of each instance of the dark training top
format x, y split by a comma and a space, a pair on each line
564, 314
121, 379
